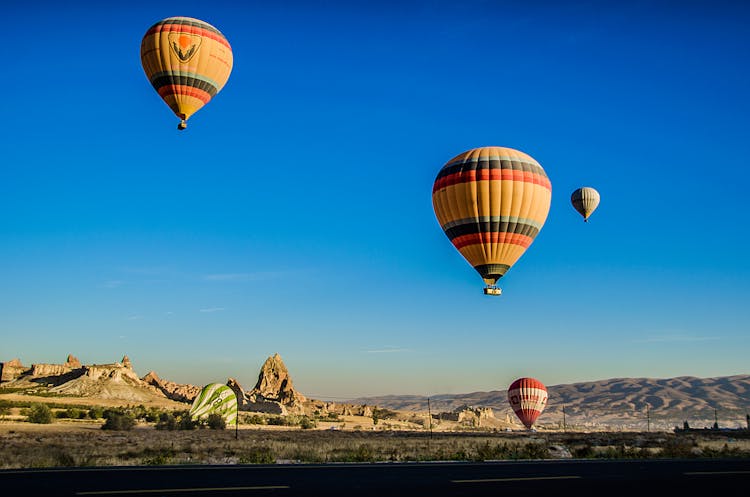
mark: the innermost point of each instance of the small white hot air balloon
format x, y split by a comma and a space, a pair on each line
585, 200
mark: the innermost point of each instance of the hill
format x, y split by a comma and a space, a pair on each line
622, 402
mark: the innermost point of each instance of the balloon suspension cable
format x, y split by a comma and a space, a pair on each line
182, 125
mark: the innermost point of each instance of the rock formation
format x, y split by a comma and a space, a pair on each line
467, 415
275, 385
107, 381
239, 392
11, 370
42, 370
72, 362
170, 389
126, 362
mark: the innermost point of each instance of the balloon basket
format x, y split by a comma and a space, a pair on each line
493, 290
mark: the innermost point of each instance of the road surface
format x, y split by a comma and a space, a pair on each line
670, 477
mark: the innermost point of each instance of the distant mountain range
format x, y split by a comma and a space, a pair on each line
620, 401
632, 403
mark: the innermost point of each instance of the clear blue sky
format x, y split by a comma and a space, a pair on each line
294, 214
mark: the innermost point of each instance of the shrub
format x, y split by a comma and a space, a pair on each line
306, 423
254, 419
216, 421
158, 457
119, 421
70, 413
258, 455
186, 423
96, 413
40, 413
166, 422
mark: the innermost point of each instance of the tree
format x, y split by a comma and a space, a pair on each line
40, 413
119, 421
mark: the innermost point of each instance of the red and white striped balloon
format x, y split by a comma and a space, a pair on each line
527, 397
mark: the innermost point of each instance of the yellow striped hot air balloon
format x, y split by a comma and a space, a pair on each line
585, 200
188, 62
491, 202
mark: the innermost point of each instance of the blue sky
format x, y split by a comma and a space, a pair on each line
294, 214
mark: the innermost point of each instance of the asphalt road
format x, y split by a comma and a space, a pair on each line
706, 478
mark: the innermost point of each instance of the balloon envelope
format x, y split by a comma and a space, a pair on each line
491, 203
585, 200
187, 61
527, 398
215, 398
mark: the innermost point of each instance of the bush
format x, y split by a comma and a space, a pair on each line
40, 413
166, 422
254, 419
118, 421
71, 413
216, 421
306, 423
96, 413
176, 421
258, 455
186, 423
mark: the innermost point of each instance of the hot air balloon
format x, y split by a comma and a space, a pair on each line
188, 61
585, 200
491, 202
215, 398
527, 398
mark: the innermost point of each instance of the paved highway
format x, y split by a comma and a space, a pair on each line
502, 478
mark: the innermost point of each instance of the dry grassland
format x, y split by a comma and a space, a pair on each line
84, 443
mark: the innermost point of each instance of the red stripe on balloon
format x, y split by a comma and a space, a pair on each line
491, 175
167, 90
481, 238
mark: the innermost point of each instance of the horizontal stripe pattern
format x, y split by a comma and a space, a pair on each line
491, 202
492, 271
187, 25
496, 224
483, 238
167, 90
185, 81
492, 168
527, 398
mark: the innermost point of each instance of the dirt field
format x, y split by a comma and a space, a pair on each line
84, 443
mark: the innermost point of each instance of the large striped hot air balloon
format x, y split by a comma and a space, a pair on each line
585, 200
527, 397
188, 61
215, 398
491, 202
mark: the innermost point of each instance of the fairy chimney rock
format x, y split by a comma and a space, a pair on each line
274, 383
72, 362
126, 362
238, 391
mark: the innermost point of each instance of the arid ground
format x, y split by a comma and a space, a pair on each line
84, 443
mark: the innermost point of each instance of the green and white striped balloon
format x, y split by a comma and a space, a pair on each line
215, 398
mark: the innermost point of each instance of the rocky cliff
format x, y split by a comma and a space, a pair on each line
172, 390
275, 385
11, 370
